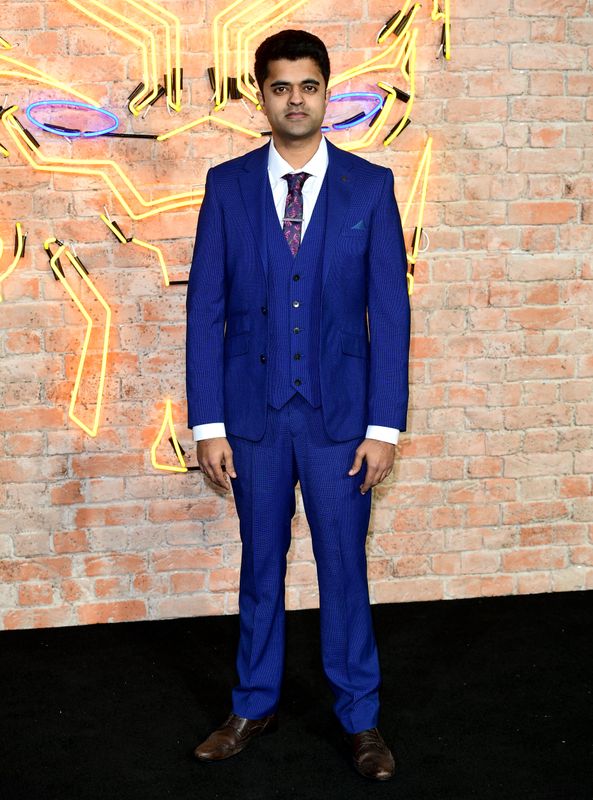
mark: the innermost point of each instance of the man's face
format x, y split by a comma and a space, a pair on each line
294, 98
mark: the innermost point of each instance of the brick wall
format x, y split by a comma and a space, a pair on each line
492, 491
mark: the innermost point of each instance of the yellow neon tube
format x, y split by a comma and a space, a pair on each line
4, 151
408, 70
367, 66
395, 23
212, 118
369, 137
445, 15
140, 243
113, 229
92, 431
410, 282
226, 48
371, 64
19, 253
5, 44
176, 22
167, 422
164, 204
140, 101
216, 48
174, 104
33, 74
424, 170
243, 57
159, 253
239, 51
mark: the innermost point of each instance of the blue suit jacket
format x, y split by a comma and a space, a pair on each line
365, 313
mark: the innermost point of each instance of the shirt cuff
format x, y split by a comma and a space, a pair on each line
208, 431
383, 434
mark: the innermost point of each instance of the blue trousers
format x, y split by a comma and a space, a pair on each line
295, 448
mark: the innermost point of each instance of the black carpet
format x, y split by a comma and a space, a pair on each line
482, 698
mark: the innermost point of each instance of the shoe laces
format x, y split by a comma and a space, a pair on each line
370, 736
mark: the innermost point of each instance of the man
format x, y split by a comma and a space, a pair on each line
296, 242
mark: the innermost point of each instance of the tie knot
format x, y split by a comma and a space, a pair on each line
296, 180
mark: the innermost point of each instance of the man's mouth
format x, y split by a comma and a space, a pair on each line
296, 114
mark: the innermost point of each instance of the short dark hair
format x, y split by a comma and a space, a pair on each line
292, 45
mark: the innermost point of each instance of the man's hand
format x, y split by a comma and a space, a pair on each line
212, 454
379, 456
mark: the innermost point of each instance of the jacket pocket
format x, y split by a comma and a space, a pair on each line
236, 345
354, 345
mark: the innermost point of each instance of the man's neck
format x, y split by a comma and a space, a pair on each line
297, 153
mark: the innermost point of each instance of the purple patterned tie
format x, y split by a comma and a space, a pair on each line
293, 213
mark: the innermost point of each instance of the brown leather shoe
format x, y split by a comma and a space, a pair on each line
232, 736
370, 755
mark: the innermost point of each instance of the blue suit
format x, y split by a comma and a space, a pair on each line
242, 361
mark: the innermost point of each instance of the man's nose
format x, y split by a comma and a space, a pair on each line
296, 98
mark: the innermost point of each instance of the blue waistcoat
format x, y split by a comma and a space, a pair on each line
295, 306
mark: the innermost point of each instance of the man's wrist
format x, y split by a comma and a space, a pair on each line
383, 433
208, 430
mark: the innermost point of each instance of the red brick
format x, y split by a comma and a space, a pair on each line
480, 562
188, 582
534, 558
523, 513
533, 213
119, 611
67, 493
38, 568
197, 605
38, 618
116, 564
401, 591
70, 541
547, 56
575, 486
35, 594
191, 559
111, 587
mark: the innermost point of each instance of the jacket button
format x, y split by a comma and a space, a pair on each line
297, 356
296, 330
296, 277
295, 304
297, 381
263, 358
264, 310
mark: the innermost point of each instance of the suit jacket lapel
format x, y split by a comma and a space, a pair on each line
340, 182
253, 185
252, 182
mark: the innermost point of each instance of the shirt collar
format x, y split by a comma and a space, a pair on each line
277, 166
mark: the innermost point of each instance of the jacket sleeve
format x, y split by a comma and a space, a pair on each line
206, 314
388, 310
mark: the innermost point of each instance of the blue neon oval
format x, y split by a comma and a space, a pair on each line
72, 104
365, 96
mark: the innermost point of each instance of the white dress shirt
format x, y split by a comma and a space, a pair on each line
277, 167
